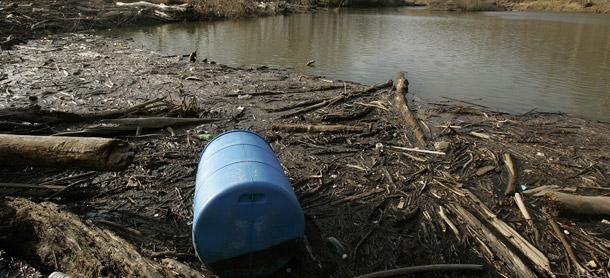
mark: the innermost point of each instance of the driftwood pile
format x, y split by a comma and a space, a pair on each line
22, 20
389, 184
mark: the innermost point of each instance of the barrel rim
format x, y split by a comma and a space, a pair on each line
235, 131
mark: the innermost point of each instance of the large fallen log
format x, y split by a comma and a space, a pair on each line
565, 204
65, 152
402, 88
48, 236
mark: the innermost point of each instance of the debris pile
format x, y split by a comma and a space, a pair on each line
457, 184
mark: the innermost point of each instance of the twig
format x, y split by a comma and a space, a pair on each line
484, 170
173, 254
117, 225
367, 234
30, 190
417, 150
341, 97
455, 191
120, 112
441, 212
66, 188
567, 246
414, 157
422, 268
522, 207
355, 197
480, 135
68, 178
296, 105
471, 103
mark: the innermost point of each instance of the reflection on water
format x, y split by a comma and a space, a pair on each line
509, 61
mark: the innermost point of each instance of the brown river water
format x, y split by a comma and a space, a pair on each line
508, 61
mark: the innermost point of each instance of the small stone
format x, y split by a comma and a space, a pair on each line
441, 146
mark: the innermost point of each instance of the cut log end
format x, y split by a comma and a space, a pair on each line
569, 205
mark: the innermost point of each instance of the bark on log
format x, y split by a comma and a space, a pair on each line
577, 205
57, 239
402, 88
65, 152
319, 128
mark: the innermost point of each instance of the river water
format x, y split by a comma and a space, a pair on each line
508, 61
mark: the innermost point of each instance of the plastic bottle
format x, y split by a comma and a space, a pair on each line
336, 246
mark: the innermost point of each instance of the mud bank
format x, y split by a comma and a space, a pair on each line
346, 148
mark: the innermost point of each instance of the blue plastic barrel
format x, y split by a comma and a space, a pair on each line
247, 220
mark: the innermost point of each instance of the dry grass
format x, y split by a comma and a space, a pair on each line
241, 8
224, 8
593, 6
466, 5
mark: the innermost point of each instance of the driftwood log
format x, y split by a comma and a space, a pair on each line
65, 152
576, 205
517, 266
512, 175
339, 98
402, 88
136, 125
162, 7
540, 260
35, 114
319, 128
60, 241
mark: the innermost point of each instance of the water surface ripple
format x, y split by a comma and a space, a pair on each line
509, 61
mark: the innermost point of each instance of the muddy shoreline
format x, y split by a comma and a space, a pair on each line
22, 20
388, 206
